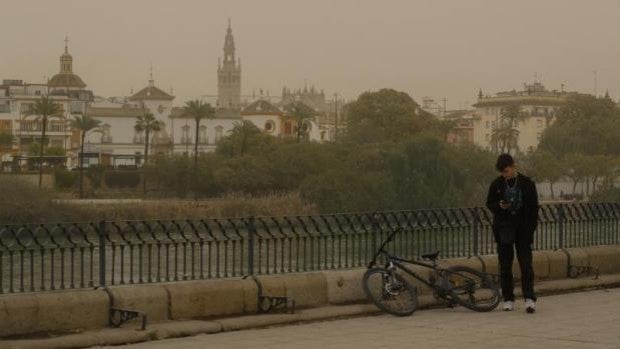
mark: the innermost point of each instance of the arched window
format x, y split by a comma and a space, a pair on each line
105, 134
185, 139
138, 137
219, 130
202, 135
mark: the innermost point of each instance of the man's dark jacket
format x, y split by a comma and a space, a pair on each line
526, 218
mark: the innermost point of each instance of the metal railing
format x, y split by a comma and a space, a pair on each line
41, 257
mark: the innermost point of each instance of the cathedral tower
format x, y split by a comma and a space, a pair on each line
229, 76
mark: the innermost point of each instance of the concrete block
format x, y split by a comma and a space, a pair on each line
345, 286
307, 289
471, 262
578, 256
56, 311
540, 262
150, 299
606, 258
558, 264
491, 263
204, 299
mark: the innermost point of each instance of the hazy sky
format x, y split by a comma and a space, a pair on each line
432, 48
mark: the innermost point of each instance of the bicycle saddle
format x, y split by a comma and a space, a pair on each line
431, 256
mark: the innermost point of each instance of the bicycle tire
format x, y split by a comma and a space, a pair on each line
458, 285
409, 292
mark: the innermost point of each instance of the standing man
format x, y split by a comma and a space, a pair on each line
514, 202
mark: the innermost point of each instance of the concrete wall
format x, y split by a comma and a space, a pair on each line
60, 311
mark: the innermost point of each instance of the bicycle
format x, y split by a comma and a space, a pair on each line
462, 285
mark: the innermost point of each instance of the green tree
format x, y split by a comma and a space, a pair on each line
198, 110
148, 124
44, 109
577, 168
586, 125
242, 138
302, 114
545, 167
84, 124
385, 115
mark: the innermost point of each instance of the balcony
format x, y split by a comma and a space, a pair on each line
35, 126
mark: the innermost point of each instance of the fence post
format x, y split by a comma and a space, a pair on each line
102, 232
375, 231
560, 226
476, 232
251, 235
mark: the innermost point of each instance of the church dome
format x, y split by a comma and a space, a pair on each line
66, 80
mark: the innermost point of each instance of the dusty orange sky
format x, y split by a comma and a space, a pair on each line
437, 48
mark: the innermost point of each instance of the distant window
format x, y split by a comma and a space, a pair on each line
488, 125
270, 126
202, 135
539, 123
538, 135
219, 130
105, 134
492, 124
138, 137
185, 135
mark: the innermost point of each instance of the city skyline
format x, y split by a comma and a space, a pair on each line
322, 48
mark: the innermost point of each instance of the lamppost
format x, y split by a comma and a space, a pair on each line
335, 117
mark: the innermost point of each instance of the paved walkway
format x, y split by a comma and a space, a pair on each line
578, 320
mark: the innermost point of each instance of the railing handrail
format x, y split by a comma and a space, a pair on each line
42, 256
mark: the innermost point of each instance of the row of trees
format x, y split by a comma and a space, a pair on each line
580, 145
393, 156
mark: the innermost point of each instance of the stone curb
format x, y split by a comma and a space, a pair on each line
173, 329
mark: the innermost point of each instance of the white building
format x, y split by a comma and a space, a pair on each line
538, 104
17, 99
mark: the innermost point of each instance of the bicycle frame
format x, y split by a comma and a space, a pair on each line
398, 263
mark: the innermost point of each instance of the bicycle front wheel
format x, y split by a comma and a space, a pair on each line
390, 292
472, 289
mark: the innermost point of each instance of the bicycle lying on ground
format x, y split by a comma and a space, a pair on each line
456, 284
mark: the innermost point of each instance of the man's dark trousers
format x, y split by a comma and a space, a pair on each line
506, 258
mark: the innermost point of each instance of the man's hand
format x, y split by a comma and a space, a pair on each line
504, 205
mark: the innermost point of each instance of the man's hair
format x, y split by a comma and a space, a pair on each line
503, 161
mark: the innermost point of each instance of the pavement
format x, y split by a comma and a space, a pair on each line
576, 320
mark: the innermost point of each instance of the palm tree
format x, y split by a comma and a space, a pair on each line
147, 123
84, 124
43, 109
198, 110
241, 133
505, 138
512, 113
302, 113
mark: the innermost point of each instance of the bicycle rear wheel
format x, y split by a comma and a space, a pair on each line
472, 289
390, 292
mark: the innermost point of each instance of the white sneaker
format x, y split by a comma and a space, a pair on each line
530, 306
508, 306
